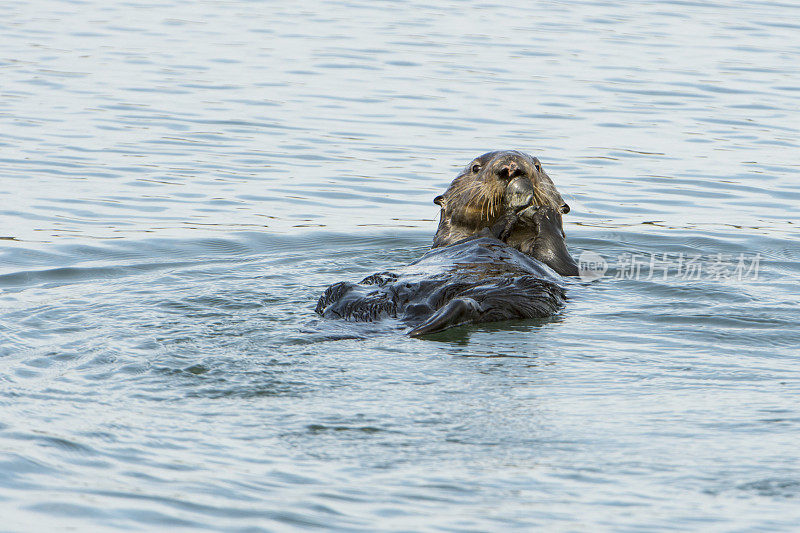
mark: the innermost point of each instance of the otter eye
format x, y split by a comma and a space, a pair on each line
475, 168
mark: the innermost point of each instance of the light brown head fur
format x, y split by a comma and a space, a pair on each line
474, 200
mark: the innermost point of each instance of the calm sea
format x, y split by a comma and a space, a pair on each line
180, 180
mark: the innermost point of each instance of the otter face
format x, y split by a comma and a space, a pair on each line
475, 198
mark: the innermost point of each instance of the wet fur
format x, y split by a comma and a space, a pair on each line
480, 279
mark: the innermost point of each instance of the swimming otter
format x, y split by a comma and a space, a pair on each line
495, 255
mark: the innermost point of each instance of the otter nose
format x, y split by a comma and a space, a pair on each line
510, 169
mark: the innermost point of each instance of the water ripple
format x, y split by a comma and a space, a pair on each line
180, 186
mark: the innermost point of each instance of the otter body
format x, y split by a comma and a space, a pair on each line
480, 279
497, 255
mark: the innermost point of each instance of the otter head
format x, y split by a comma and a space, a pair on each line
476, 197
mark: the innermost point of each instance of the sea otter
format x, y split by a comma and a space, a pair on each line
480, 197
497, 255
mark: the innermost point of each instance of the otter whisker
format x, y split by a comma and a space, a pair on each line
460, 189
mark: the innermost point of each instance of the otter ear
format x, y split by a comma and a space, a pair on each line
439, 200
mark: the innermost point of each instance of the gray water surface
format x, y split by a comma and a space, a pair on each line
181, 180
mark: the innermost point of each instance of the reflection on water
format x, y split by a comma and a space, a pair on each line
182, 180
